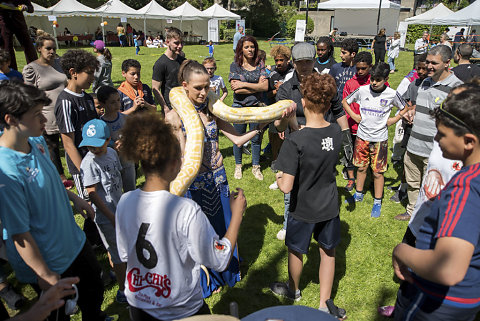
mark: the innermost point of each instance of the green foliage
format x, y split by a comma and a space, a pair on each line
292, 24
229, 33
416, 31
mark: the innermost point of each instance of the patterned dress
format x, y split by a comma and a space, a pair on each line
210, 190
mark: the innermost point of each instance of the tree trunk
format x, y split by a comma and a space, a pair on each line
229, 5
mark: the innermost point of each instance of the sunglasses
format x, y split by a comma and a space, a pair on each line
454, 118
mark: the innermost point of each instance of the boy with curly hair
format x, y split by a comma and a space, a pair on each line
74, 108
311, 154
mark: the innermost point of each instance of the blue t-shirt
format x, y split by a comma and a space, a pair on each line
33, 199
210, 49
11, 75
454, 213
115, 126
126, 103
104, 171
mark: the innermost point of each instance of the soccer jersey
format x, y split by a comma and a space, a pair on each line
33, 199
439, 172
104, 171
455, 214
216, 84
375, 110
164, 239
403, 86
72, 111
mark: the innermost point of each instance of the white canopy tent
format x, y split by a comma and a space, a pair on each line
347, 13
154, 16
426, 18
218, 12
469, 16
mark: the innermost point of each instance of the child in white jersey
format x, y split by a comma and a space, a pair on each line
162, 237
371, 147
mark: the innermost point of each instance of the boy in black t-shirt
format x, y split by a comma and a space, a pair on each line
74, 108
165, 69
306, 165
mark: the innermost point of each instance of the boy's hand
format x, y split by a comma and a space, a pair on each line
410, 113
138, 102
82, 207
238, 202
49, 280
400, 269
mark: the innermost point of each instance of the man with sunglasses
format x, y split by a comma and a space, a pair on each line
431, 93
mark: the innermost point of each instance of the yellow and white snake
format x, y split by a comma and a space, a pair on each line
192, 158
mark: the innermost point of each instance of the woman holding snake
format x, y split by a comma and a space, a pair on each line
210, 189
248, 80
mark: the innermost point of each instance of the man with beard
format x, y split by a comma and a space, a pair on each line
165, 69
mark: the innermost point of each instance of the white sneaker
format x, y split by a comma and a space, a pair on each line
281, 234
273, 186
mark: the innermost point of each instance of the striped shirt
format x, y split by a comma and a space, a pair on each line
455, 214
430, 96
72, 111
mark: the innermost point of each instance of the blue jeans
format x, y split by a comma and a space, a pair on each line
256, 144
391, 62
137, 49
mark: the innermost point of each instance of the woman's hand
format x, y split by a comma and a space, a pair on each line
236, 84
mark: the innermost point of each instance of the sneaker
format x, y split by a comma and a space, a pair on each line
350, 185
246, 151
281, 234
273, 186
354, 198
344, 173
238, 171
394, 188
281, 289
337, 312
403, 217
398, 196
121, 298
14, 300
386, 310
376, 210
257, 172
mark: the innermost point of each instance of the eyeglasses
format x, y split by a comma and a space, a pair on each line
454, 118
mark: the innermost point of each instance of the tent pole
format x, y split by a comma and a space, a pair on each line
55, 35
103, 31
378, 17
144, 26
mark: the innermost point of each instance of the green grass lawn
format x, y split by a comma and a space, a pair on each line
364, 276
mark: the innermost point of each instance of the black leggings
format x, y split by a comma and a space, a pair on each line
137, 314
379, 55
53, 143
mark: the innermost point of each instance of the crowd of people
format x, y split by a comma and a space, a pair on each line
167, 252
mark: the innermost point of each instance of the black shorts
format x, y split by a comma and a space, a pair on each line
299, 234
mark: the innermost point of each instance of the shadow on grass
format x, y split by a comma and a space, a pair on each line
383, 296
310, 268
249, 293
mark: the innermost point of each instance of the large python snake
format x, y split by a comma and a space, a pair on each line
192, 158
